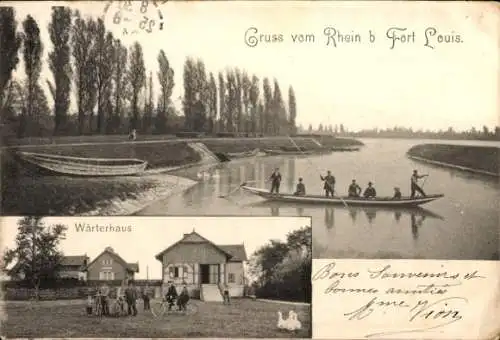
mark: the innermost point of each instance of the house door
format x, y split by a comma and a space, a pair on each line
209, 273
204, 273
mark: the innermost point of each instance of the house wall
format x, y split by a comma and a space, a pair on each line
76, 274
236, 270
98, 266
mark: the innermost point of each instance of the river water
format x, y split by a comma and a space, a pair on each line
464, 225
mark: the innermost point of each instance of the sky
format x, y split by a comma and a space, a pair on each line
362, 86
151, 235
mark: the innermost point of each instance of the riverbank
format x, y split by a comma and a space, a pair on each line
28, 193
476, 159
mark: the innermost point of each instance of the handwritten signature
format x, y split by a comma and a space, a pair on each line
437, 314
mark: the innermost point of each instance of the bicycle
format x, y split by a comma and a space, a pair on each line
167, 307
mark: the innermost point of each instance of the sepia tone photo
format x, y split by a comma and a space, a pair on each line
170, 277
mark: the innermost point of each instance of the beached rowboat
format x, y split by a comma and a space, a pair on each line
282, 152
243, 154
317, 199
80, 166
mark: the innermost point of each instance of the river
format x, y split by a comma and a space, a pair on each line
464, 225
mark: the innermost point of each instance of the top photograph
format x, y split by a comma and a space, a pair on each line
383, 129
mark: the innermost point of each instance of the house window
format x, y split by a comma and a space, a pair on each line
107, 262
230, 278
174, 272
106, 275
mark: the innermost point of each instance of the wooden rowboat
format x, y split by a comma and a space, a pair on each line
345, 149
282, 152
79, 166
243, 154
350, 201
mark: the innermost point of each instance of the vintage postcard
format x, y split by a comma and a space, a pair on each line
377, 120
157, 277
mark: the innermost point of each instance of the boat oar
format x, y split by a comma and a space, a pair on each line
233, 191
295, 144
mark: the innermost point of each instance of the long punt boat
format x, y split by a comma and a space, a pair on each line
80, 166
350, 201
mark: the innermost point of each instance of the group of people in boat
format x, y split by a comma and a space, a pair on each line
354, 190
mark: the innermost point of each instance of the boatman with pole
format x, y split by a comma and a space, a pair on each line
414, 184
275, 181
329, 186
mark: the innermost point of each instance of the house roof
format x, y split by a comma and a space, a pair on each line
133, 267
235, 253
237, 250
74, 260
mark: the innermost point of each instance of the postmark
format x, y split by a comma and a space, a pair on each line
135, 17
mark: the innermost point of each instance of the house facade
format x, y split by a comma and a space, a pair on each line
110, 266
204, 267
74, 267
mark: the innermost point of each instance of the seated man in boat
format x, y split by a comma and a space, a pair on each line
414, 184
275, 181
301, 188
370, 191
354, 189
329, 186
397, 193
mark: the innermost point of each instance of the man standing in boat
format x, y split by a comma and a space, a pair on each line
414, 184
275, 181
329, 186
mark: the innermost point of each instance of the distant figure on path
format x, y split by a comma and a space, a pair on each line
397, 193
329, 186
131, 297
370, 191
414, 184
226, 296
146, 298
275, 181
354, 189
132, 135
301, 188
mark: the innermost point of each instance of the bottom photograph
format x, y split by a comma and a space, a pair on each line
151, 277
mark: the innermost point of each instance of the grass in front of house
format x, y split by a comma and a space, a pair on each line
243, 318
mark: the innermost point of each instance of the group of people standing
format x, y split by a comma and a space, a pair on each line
354, 190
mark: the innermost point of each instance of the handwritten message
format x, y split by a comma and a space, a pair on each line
392, 38
405, 299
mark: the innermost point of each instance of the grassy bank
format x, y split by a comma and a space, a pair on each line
243, 318
479, 158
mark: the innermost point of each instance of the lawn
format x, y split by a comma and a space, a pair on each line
244, 318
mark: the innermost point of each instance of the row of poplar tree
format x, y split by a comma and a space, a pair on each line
113, 90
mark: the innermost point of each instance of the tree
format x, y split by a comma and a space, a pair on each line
166, 79
137, 76
268, 104
190, 88
32, 53
36, 252
82, 49
292, 104
222, 103
201, 94
148, 106
283, 269
60, 65
246, 84
120, 80
278, 111
212, 103
254, 95
103, 53
10, 43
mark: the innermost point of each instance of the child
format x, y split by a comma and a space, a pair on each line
90, 303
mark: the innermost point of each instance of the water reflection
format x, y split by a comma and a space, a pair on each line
416, 223
370, 215
329, 217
